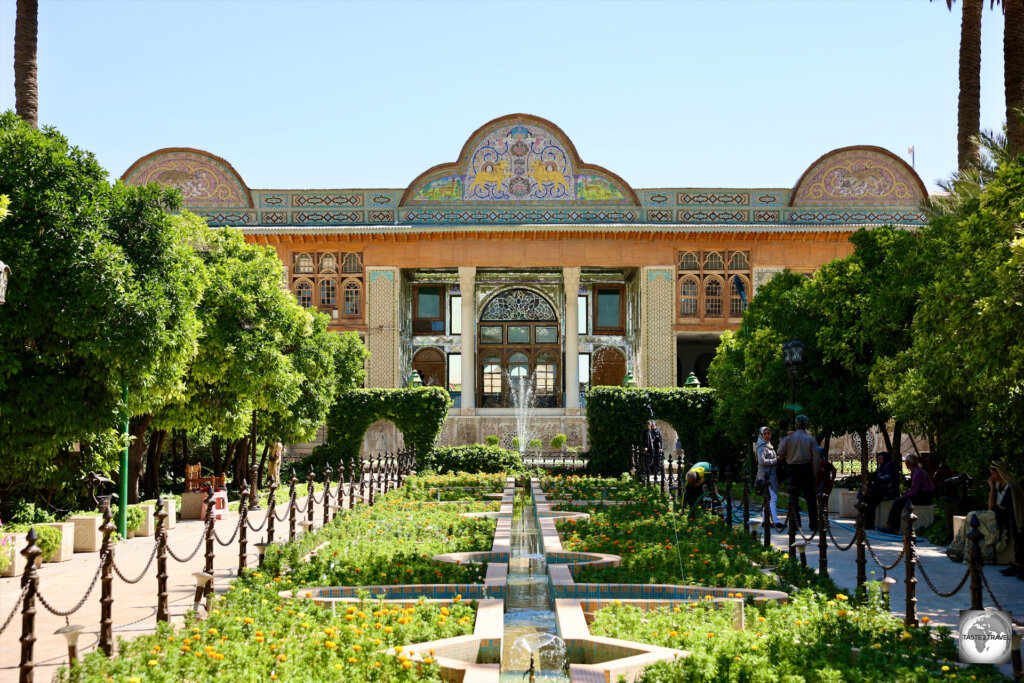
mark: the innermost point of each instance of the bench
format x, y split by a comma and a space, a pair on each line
1005, 557
925, 514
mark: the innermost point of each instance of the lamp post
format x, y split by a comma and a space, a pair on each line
692, 382
5, 272
792, 356
415, 380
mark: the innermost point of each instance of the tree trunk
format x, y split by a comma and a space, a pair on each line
215, 448
968, 115
26, 85
897, 440
263, 464
863, 436
1013, 72
185, 453
137, 427
153, 457
884, 429
240, 465
174, 458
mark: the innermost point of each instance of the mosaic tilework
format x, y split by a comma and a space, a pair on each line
205, 181
718, 216
327, 199
831, 216
657, 301
328, 217
713, 198
505, 216
382, 340
240, 218
763, 275
855, 176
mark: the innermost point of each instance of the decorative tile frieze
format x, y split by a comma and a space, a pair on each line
325, 199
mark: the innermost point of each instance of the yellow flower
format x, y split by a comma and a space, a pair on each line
877, 646
248, 620
945, 668
925, 620
428, 660
352, 660
406, 665
212, 631
152, 662
840, 596
338, 665
134, 679
330, 645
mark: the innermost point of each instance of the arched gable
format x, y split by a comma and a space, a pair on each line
518, 159
206, 181
858, 176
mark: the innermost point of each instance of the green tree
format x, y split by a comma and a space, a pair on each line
103, 297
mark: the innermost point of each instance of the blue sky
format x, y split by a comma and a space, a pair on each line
323, 94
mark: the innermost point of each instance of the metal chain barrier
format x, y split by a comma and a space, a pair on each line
67, 613
145, 569
233, 535
17, 604
808, 539
920, 565
836, 543
266, 518
984, 582
874, 557
194, 552
284, 516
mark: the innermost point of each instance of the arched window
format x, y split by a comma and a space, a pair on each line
352, 263
713, 297
431, 366
735, 302
303, 263
353, 298
688, 261
688, 290
713, 261
328, 263
738, 261
328, 293
304, 293
490, 397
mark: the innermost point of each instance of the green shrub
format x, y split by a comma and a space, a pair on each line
24, 512
558, 440
491, 440
49, 537
135, 517
473, 458
535, 443
515, 443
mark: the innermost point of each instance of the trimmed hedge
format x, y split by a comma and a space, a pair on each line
419, 413
476, 457
617, 417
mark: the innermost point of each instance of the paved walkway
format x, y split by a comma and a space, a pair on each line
62, 584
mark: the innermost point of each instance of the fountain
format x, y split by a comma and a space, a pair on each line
524, 400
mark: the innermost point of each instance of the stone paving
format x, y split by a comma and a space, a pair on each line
134, 605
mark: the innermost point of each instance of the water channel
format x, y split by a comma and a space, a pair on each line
531, 630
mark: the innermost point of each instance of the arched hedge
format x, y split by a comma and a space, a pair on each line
617, 417
419, 413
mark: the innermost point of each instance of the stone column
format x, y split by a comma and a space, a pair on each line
467, 285
571, 281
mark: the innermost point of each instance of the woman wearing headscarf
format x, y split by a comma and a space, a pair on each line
766, 472
884, 485
1004, 520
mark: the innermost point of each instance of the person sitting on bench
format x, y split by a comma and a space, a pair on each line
921, 492
883, 485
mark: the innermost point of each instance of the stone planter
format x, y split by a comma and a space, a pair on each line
148, 526
16, 542
834, 501
67, 541
192, 504
130, 533
171, 508
847, 501
88, 537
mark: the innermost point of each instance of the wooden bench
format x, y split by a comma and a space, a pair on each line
1005, 557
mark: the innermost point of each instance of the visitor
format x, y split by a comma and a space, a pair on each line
1001, 522
882, 485
921, 492
274, 466
800, 451
825, 479
695, 483
767, 479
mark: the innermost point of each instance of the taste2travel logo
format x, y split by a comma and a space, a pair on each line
985, 636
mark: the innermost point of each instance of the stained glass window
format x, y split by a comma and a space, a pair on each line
518, 304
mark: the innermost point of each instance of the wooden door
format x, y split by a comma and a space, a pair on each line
608, 367
431, 366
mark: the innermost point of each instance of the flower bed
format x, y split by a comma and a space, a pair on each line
252, 635
644, 531
578, 487
459, 486
814, 637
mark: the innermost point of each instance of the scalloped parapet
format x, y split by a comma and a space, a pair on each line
205, 181
859, 176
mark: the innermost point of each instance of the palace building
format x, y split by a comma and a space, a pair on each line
519, 260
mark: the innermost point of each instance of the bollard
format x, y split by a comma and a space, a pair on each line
801, 547
766, 515
746, 503
339, 494
728, 503
887, 584
822, 531
975, 562
30, 581
208, 567
310, 490
271, 504
243, 525
660, 463
362, 480
862, 560
370, 484
254, 500
792, 515
203, 579
292, 508
107, 585
162, 611
1018, 666
71, 633
910, 559
327, 494
351, 465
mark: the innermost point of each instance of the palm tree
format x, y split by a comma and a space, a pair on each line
968, 115
26, 87
1013, 72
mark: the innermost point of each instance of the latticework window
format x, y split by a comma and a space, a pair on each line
713, 297
738, 261
303, 263
328, 263
545, 374
688, 261
328, 292
353, 294
304, 293
713, 261
688, 290
352, 263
